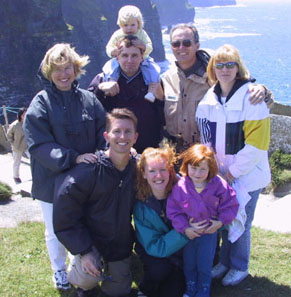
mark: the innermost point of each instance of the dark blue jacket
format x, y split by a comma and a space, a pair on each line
93, 207
58, 128
150, 116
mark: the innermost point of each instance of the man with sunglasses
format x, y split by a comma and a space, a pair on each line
185, 83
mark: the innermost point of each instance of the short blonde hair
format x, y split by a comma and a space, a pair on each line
60, 54
227, 53
128, 13
165, 152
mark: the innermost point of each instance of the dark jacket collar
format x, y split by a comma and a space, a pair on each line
238, 83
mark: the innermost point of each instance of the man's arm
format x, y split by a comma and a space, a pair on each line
261, 93
103, 88
72, 190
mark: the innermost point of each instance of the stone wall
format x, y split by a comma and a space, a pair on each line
280, 134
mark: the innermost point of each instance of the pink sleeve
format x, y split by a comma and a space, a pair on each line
174, 211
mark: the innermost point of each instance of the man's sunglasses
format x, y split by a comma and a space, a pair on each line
185, 43
228, 65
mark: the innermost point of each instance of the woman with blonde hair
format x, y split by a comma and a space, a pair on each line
64, 126
158, 244
239, 133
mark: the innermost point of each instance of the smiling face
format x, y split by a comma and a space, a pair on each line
157, 175
130, 27
129, 59
185, 56
63, 76
199, 173
121, 135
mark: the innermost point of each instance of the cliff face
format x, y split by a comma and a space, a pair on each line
29, 27
207, 3
174, 11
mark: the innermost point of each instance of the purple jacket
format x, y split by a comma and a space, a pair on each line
216, 201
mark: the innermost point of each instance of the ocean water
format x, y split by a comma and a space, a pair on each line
261, 30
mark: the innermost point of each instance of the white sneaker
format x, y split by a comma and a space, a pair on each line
150, 97
218, 271
234, 277
60, 280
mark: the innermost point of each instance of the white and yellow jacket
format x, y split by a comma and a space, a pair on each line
239, 132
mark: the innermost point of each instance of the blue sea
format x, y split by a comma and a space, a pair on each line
261, 30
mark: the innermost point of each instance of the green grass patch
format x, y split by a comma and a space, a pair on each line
25, 268
5, 192
281, 168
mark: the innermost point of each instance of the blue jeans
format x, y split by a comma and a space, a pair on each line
237, 255
198, 261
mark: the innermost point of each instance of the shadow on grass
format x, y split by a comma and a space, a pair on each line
95, 293
251, 287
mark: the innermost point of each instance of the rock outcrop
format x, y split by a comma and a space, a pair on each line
280, 133
27, 28
281, 109
207, 3
174, 11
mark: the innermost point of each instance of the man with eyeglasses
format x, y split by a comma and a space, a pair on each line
185, 83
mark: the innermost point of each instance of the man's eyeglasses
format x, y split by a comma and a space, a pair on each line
228, 65
185, 42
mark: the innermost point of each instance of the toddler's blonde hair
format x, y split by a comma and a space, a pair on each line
128, 13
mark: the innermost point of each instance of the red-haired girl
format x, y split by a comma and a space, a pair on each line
200, 203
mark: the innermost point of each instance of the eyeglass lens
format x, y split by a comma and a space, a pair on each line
185, 42
228, 65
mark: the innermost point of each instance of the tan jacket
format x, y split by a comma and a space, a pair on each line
16, 137
182, 96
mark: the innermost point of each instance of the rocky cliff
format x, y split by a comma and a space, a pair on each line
29, 27
174, 11
207, 3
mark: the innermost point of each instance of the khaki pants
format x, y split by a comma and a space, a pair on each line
119, 284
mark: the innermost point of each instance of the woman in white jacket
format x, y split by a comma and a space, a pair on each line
239, 132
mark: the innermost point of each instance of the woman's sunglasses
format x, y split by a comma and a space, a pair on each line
228, 65
185, 42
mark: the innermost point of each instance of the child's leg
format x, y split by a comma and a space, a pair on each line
189, 266
111, 70
151, 74
205, 256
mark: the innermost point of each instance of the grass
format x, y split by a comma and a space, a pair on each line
281, 168
25, 269
5, 192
